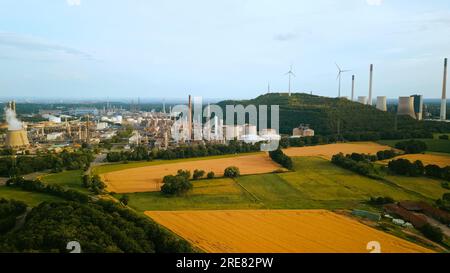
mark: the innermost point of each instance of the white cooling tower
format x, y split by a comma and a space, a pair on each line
406, 106
362, 99
381, 103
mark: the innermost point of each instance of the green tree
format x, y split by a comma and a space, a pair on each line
232, 172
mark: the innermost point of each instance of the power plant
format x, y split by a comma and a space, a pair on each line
418, 106
362, 99
444, 93
16, 137
369, 101
406, 107
382, 103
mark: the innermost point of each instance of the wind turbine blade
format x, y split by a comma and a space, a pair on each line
339, 74
293, 74
345, 70
338, 67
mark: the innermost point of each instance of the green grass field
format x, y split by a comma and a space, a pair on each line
315, 184
121, 166
430, 188
434, 145
69, 179
213, 194
31, 198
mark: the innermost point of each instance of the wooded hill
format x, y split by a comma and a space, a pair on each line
328, 116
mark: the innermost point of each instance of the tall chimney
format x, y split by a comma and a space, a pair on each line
444, 93
190, 118
353, 87
369, 101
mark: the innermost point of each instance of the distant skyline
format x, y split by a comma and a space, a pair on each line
100, 49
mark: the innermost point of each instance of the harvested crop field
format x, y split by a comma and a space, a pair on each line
283, 231
147, 179
327, 151
427, 159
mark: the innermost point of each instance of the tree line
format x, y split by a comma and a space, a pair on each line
405, 167
11, 166
281, 158
41, 187
140, 153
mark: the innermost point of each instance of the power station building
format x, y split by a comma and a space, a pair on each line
382, 103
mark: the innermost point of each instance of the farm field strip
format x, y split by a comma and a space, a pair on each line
327, 151
441, 160
147, 179
277, 231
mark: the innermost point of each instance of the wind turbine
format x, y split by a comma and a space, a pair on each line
290, 73
339, 76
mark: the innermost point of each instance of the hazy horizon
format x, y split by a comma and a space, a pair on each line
97, 49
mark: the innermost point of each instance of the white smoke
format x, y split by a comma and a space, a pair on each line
13, 123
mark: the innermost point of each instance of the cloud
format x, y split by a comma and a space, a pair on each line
28, 43
374, 2
73, 2
283, 37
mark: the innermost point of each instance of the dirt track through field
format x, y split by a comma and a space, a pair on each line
261, 231
147, 179
327, 151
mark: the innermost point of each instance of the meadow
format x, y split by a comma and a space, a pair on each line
30, 198
69, 179
315, 184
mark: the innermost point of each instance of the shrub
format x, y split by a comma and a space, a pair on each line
444, 137
282, 159
433, 171
232, 172
433, 233
405, 167
381, 200
124, 199
210, 175
198, 174
176, 184
412, 146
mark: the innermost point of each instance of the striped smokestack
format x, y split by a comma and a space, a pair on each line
190, 118
369, 100
353, 87
444, 93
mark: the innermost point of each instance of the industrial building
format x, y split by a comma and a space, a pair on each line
302, 131
382, 103
406, 107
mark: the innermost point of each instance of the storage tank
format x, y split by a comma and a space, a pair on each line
406, 106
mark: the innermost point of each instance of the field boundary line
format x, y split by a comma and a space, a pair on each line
247, 191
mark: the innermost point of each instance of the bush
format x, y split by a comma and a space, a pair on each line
282, 159
232, 172
379, 201
210, 175
124, 199
433, 233
387, 154
433, 171
412, 146
176, 184
444, 137
198, 174
405, 167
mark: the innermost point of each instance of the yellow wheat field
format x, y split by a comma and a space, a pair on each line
327, 151
427, 159
147, 179
261, 231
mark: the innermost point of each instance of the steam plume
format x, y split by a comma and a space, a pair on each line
13, 123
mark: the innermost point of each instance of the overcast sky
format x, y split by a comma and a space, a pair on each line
219, 48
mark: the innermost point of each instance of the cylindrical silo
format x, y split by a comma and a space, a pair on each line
381, 103
406, 106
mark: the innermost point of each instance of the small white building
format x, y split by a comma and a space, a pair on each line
55, 136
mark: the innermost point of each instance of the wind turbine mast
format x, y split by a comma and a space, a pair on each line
290, 74
339, 77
